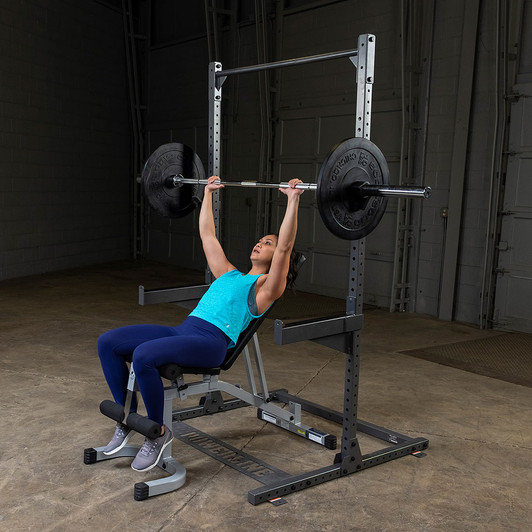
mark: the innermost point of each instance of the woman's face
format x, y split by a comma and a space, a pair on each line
264, 249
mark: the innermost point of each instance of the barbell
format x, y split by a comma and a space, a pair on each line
352, 188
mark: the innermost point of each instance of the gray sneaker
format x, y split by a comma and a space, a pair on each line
119, 439
151, 451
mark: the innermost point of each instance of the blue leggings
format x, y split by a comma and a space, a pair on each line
194, 343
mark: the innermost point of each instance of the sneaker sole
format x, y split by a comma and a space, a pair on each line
121, 446
156, 461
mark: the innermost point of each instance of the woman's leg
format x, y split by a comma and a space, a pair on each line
192, 345
115, 345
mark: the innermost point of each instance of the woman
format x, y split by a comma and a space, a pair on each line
202, 340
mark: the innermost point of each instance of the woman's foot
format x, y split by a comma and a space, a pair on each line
119, 439
151, 451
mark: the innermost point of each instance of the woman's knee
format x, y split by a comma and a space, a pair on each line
142, 359
105, 344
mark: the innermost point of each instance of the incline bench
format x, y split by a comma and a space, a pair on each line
212, 402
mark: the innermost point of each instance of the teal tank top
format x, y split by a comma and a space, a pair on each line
225, 304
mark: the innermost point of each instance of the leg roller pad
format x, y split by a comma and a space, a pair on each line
142, 491
170, 371
144, 425
89, 456
112, 410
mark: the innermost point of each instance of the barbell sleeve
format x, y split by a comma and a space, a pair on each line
405, 191
364, 189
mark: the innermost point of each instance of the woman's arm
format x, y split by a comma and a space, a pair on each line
214, 253
275, 283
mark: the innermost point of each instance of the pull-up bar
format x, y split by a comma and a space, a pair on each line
287, 63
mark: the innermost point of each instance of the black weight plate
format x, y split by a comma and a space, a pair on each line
165, 162
343, 211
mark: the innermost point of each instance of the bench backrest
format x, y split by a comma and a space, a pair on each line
234, 352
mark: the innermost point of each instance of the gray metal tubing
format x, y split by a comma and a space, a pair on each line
366, 189
287, 63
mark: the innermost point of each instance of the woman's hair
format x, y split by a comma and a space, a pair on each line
296, 261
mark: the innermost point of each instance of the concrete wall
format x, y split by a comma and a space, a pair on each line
64, 136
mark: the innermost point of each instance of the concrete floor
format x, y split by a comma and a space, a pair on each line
477, 473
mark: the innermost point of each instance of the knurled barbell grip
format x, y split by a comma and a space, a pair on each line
364, 189
180, 180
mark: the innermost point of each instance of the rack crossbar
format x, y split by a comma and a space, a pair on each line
287, 63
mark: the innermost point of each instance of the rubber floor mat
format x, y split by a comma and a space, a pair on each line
506, 357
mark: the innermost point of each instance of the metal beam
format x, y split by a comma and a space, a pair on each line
285, 63
459, 157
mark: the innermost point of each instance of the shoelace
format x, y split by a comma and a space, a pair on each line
147, 447
120, 433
